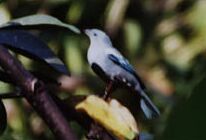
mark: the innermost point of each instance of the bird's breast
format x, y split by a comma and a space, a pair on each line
95, 55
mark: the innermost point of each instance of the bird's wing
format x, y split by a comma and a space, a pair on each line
123, 63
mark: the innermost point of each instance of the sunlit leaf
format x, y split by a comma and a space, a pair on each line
15, 116
116, 118
73, 57
31, 46
75, 11
196, 16
176, 53
133, 36
39, 20
4, 14
115, 14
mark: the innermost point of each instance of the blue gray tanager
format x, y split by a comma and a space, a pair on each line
108, 63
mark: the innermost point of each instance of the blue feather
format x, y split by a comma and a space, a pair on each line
123, 63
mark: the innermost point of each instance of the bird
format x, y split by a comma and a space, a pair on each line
111, 66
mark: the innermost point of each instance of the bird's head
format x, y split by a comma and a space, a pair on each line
96, 35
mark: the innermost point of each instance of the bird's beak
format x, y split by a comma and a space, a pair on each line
87, 31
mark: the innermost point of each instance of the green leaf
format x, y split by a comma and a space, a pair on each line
38, 20
187, 121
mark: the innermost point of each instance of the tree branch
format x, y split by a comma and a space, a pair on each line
37, 95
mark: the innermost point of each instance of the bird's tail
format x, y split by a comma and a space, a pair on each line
149, 109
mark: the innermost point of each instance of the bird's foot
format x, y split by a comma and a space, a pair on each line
106, 95
108, 90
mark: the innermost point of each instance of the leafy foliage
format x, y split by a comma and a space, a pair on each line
187, 121
164, 40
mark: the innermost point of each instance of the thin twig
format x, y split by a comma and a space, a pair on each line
11, 95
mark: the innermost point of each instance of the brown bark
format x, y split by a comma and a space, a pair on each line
37, 95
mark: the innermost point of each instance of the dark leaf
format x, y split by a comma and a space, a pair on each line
31, 46
3, 118
39, 20
187, 121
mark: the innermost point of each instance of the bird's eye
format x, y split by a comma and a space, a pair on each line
95, 34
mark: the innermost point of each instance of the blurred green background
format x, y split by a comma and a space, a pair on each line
165, 41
